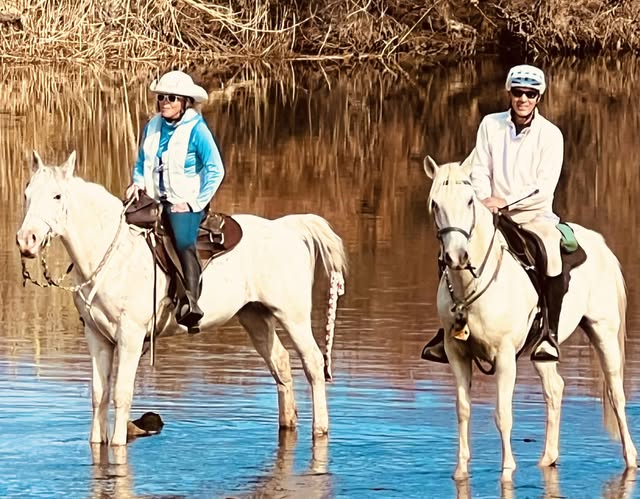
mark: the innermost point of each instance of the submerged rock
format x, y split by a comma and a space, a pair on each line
146, 425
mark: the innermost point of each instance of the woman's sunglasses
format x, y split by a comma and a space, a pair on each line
169, 97
517, 93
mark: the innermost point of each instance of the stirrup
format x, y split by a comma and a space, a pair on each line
188, 313
543, 356
434, 350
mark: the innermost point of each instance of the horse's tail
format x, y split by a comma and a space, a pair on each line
321, 239
609, 416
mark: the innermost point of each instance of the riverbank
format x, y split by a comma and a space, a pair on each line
117, 32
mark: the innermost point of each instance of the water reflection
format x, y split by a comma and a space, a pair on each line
348, 145
112, 475
282, 480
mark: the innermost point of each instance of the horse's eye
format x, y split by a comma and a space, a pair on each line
434, 206
57, 196
470, 202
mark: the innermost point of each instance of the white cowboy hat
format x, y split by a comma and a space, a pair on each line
179, 83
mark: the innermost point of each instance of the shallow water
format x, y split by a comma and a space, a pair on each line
348, 147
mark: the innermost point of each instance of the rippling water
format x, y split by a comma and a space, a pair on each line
348, 147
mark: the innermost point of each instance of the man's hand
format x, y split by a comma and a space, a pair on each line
133, 192
494, 203
180, 208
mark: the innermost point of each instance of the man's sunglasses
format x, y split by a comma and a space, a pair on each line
517, 93
169, 97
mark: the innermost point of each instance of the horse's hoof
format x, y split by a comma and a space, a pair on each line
320, 431
507, 475
546, 462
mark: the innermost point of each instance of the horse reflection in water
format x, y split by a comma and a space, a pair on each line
265, 280
282, 481
621, 486
113, 476
501, 304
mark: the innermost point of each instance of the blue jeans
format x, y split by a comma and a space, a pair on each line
184, 227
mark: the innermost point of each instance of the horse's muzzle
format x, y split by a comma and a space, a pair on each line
456, 260
28, 243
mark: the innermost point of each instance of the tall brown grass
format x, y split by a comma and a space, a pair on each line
118, 32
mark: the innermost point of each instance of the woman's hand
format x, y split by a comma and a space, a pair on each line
180, 208
133, 192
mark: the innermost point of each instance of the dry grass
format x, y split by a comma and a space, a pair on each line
547, 27
118, 31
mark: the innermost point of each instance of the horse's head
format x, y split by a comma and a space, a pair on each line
452, 204
44, 198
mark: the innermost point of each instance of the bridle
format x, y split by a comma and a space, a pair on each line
461, 305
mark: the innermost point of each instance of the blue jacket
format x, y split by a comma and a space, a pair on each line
188, 156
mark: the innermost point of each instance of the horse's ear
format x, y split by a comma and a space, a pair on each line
70, 165
467, 164
36, 163
430, 166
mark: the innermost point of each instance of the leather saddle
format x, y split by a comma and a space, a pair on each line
218, 234
529, 251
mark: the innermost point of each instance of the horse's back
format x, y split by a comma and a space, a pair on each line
600, 257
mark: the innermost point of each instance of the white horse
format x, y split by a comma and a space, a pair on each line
501, 304
266, 279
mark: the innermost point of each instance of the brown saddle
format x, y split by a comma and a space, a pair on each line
529, 251
219, 233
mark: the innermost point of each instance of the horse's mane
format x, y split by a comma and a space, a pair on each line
95, 194
448, 177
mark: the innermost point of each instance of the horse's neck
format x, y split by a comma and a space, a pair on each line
94, 217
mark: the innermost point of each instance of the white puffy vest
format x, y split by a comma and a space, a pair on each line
179, 187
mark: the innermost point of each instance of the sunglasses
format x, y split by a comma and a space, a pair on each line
169, 97
531, 94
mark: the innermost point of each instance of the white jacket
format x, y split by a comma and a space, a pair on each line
512, 166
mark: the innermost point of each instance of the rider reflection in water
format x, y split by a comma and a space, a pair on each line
179, 164
518, 152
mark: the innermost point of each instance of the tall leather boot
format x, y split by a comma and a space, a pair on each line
188, 312
434, 350
547, 348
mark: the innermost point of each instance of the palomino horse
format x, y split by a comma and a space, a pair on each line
501, 303
266, 279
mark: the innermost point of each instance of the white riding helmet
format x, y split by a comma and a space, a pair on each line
527, 77
179, 83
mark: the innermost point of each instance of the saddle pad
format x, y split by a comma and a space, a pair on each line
569, 243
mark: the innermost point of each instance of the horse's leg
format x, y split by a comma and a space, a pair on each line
461, 367
101, 352
313, 364
260, 324
130, 338
506, 380
552, 387
604, 338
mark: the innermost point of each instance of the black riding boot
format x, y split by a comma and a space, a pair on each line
547, 348
434, 350
188, 312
